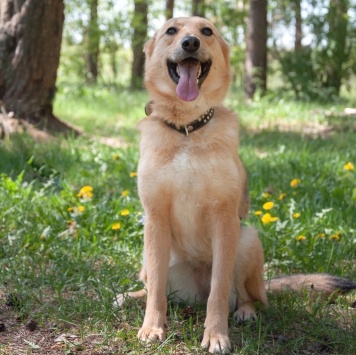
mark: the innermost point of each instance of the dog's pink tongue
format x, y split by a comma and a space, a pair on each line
187, 88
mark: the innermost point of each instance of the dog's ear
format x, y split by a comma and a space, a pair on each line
148, 48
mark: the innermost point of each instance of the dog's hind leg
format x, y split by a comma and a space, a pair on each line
122, 297
248, 275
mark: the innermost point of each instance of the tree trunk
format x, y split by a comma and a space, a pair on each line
337, 53
298, 25
139, 24
93, 43
198, 8
256, 51
169, 9
30, 40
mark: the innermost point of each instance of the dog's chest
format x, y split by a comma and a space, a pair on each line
197, 175
195, 181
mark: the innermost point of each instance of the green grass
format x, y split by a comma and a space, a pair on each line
62, 265
107, 111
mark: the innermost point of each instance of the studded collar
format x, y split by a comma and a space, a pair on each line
195, 125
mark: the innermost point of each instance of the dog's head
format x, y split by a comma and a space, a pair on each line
187, 59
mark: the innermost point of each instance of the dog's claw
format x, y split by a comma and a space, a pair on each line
151, 334
244, 314
119, 300
216, 344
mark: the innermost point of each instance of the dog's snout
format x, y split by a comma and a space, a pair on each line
190, 43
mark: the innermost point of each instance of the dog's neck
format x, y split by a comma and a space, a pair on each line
182, 126
195, 125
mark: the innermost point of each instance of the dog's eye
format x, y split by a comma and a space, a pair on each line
207, 31
171, 31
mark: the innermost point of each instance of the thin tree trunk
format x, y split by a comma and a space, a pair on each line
30, 41
139, 24
198, 8
169, 9
256, 52
113, 62
338, 28
298, 25
93, 43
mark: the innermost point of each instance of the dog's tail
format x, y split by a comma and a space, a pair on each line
319, 283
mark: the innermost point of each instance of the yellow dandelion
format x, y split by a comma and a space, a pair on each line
296, 215
349, 166
265, 195
86, 192
282, 196
294, 182
300, 238
125, 212
116, 226
133, 174
334, 237
124, 193
70, 209
80, 209
268, 205
320, 235
115, 156
257, 213
267, 218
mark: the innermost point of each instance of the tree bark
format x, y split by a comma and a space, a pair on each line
139, 24
256, 51
93, 42
169, 9
198, 8
298, 25
30, 40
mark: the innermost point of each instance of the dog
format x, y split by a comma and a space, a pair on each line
193, 188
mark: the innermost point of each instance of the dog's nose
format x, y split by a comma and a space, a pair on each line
190, 43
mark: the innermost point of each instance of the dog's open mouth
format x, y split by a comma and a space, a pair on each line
188, 74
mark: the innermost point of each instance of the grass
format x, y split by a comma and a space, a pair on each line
62, 263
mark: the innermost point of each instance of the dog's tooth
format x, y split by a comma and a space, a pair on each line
178, 71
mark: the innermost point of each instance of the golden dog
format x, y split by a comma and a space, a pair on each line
192, 185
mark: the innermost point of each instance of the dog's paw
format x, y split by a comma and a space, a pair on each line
216, 343
244, 313
151, 334
119, 300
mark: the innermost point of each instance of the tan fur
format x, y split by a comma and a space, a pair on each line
193, 190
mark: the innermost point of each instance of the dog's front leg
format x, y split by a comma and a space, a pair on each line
224, 243
157, 242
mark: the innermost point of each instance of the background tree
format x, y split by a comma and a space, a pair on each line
169, 9
30, 40
256, 49
198, 8
298, 25
336, 52
93, 42
139, 25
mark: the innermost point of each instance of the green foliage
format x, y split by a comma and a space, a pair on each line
303, 75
